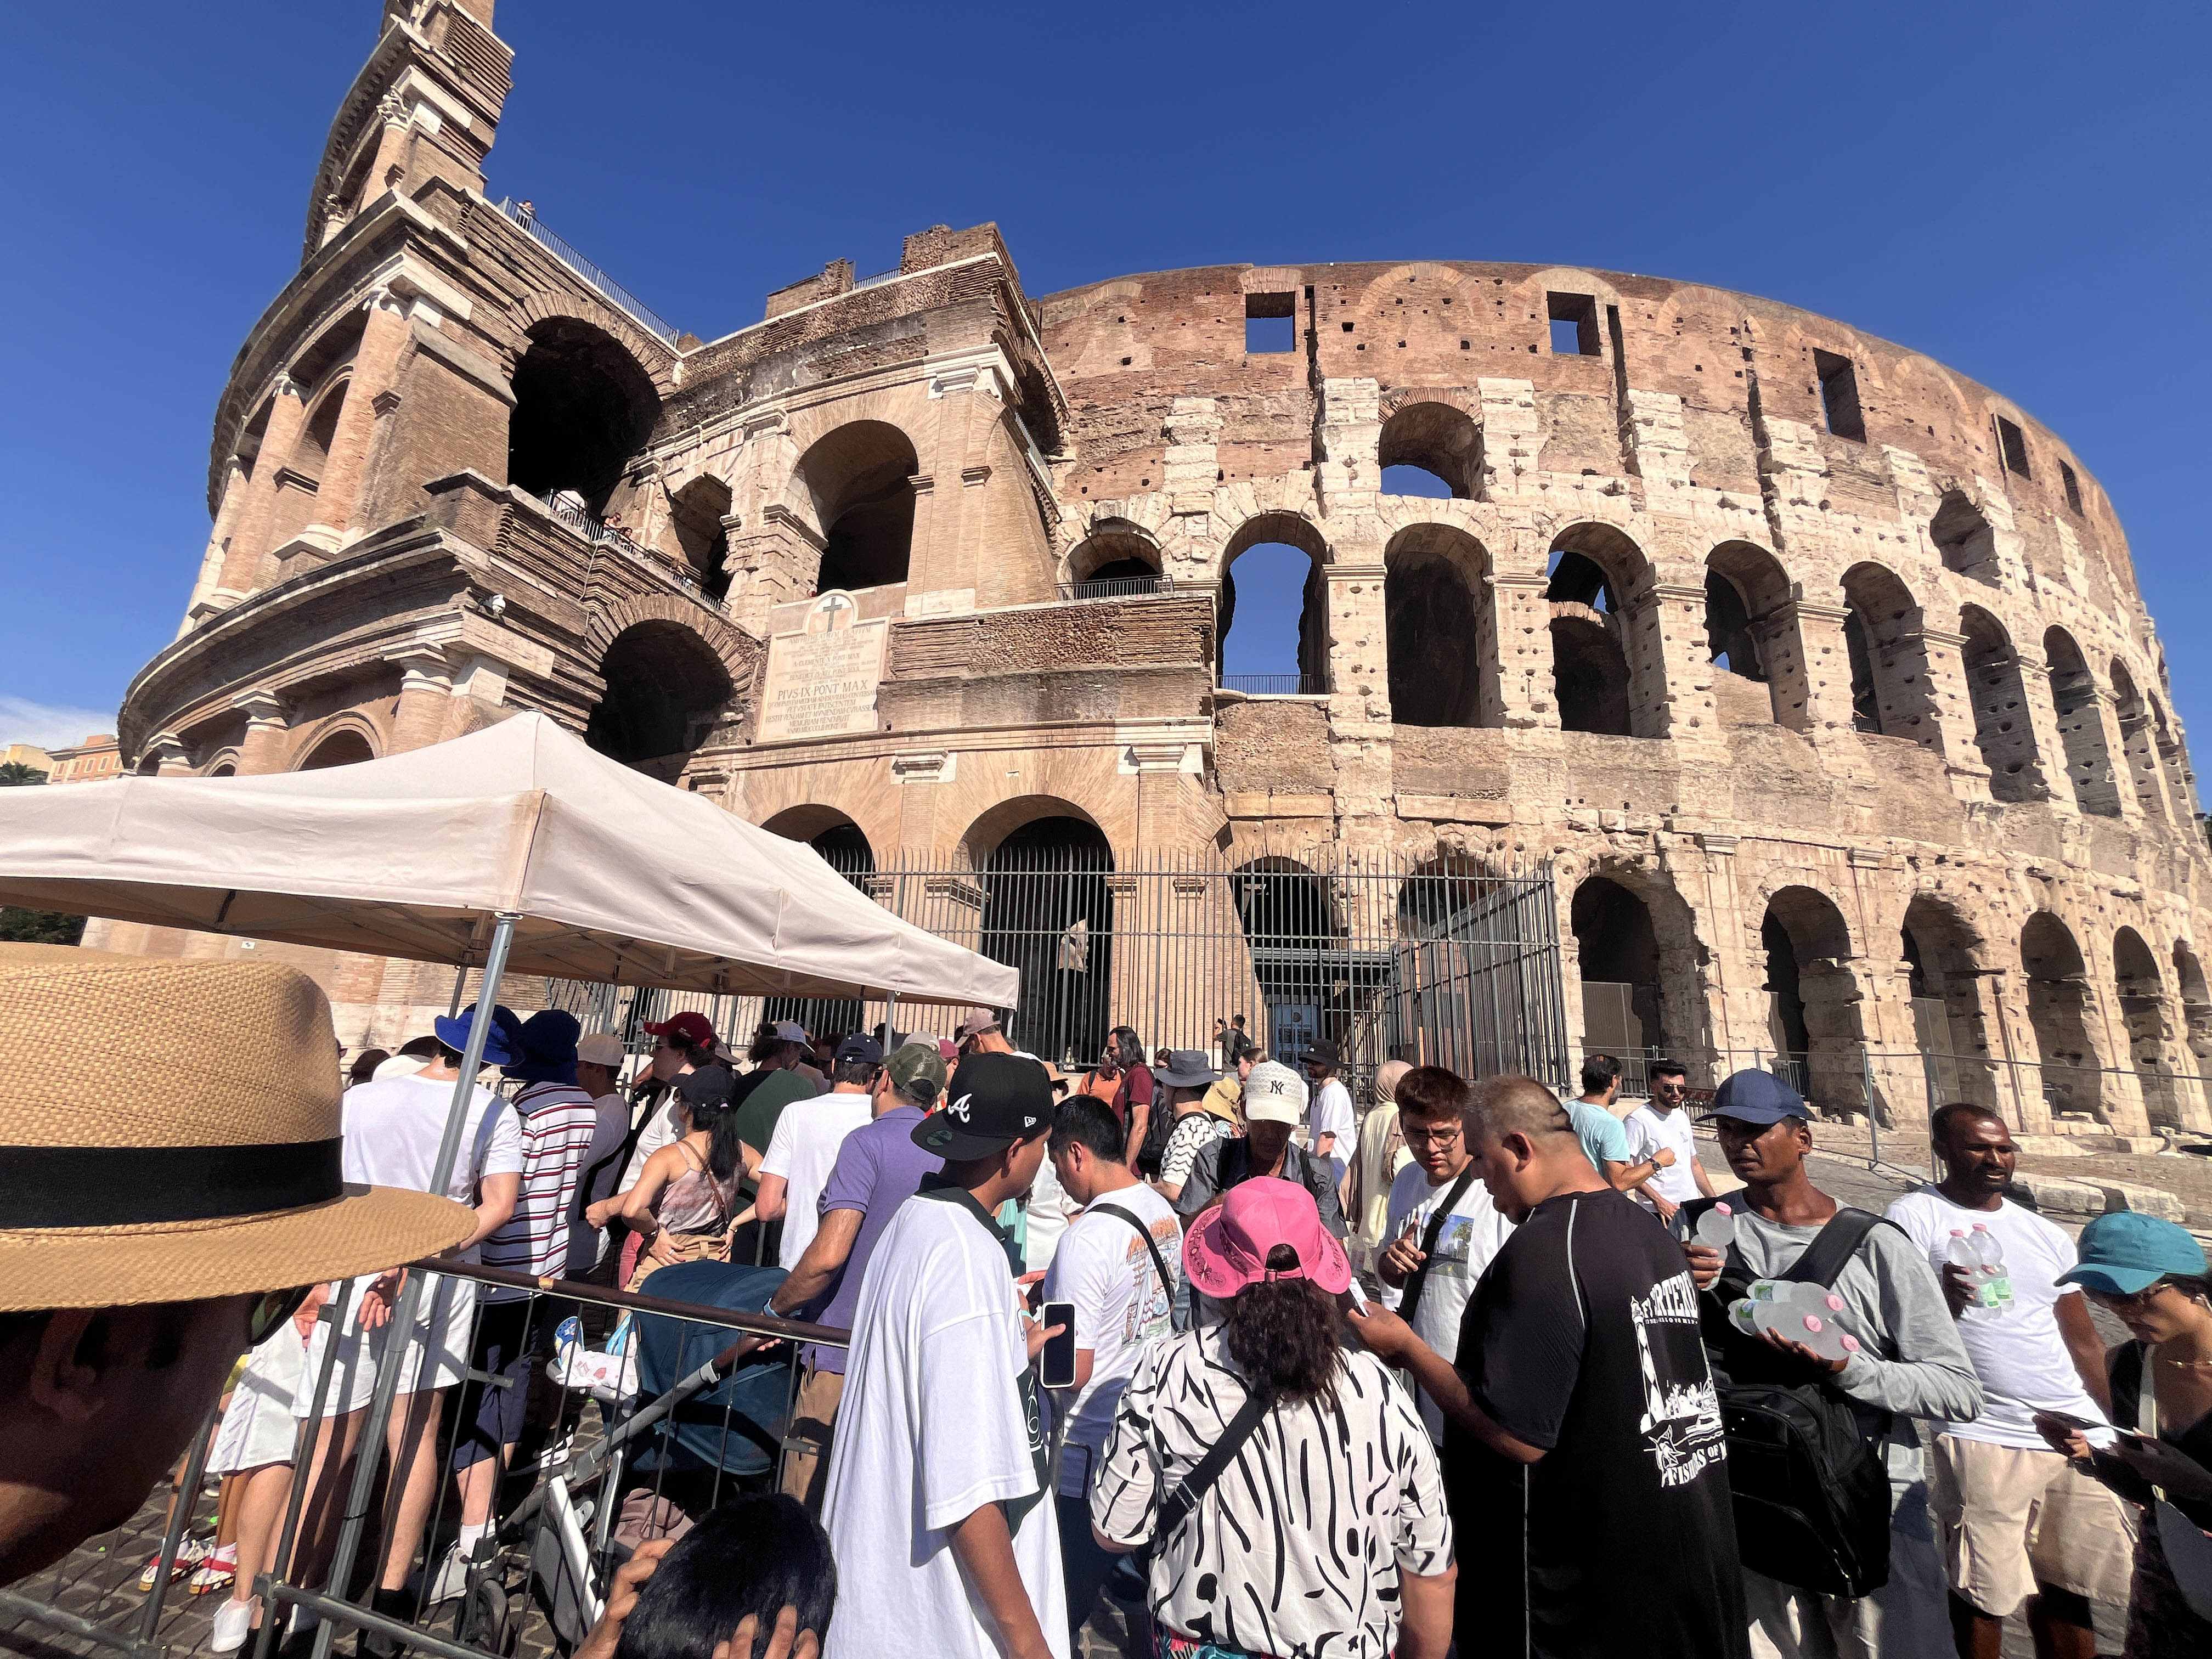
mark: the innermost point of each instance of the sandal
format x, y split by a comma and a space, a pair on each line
191, 1552
214, 1574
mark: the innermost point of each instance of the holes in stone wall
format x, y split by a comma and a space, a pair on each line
2013, 443
2073, 488
1574, 324
1839, 395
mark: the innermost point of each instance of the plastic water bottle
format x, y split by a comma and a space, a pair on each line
1993, 1283
1716, 1228
1799, 1313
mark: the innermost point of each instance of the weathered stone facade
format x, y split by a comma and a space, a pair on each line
1944, 730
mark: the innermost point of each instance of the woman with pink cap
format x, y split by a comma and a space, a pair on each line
1289, 1498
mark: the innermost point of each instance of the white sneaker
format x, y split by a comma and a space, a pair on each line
452, 1578
234, 1623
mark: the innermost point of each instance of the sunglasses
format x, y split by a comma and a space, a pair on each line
2136, 1299
270, 1309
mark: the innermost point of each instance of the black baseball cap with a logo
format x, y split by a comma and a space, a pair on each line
993, 1101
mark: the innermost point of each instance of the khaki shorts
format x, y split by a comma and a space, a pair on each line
2012, 1519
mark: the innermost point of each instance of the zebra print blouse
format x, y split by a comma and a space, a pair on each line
1296, 1551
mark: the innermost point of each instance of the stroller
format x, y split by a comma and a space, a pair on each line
709, 1419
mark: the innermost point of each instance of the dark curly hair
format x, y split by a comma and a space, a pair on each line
1282, 1334
755, 1554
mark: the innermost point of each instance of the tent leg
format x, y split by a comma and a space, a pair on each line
410, 1295
460, 983
890, 1021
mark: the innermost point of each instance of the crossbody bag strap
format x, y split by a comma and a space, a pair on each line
1185, 1499
1159, 1261
1832, 1249
1410, 1297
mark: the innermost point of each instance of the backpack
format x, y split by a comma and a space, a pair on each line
1810, 1489
1159, 1124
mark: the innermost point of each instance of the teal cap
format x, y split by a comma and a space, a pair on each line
2126, 1252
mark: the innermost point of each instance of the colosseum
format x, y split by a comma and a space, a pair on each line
1765, 692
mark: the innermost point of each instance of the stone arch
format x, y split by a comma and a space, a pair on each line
1293, 924
652, 354
697, 515
2181, 785
342, 743
2142, 992
2138, 743
1639, 962
1608, 675
1751, 627
2196, 1020
997, 822
2002, 729
665, 688
842, 843
1437, 438
2080, 725
1943, 954
1888, 660
584, 405
1272, 530
1047, 911
1114, 550
858, 480
299, 483
2060, 1008
1963, 538
1813, 997
1440, 627
737, 650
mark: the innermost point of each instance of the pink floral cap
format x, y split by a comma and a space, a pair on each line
1226, 1249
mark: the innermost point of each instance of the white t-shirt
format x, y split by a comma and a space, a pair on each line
2018, 1354
933, 1427
1331, 1114
660, 1130
1648, 1131
1044, 1218
1104, 1269
803, 1150
394, 1130
1474, 1232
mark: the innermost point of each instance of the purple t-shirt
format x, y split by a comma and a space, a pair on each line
879, 1168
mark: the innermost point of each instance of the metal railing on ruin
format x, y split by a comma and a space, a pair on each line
567, 253
1119, 587
1277, 686
572, 510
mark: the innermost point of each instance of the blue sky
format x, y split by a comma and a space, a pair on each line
2017, 189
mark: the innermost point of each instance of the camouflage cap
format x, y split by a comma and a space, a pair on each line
917, 1072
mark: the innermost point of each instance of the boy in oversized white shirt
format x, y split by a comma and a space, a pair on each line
937, 1483
2017, 1521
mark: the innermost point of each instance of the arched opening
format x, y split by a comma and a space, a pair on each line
2180, 786
2196, 1019
1618, 951
1888, 663
299, 483
2080, 725
1746, 631
2150, 1036
1941, 954
2002, 731
859, 480
2138, 743
697, 514
843, 846
665, 690
1435, 625
1963, 537
1597, 593
342, 748
1296, 937
582, 408
1274, 614
1812, 999
1048, 912
2059, 1009
1115, 560
1431, 450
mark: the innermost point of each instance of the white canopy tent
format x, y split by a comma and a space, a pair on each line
610, 876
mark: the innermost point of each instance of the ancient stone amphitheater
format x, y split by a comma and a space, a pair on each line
1816, 672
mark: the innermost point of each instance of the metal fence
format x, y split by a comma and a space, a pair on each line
1452, 963
1277, 686
1118, 588
568, 255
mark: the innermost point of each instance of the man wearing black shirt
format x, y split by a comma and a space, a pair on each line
1584, 1456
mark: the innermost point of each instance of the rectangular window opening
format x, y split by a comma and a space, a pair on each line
1839, 395
2073, 488
2013, 443
1271, 323
1574, 324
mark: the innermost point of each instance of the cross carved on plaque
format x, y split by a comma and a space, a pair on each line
832, 603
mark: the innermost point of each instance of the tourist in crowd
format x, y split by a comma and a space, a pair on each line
1189, 1083
1103, 1081
254, 1447
804, 1147
684, 1206
1133, 1095
1910, 1364
1113, 1265
112, 1353
598, 1074
2017, 1521
1382, 1154
877, 1168
1605, 1142
780, 1079
1663, 1171
1333, 1133
558, 1121
1443, 1230
1291, 1499
682, 1044
1039, 1216
363, 1069
1274, 1106
392, 1134
2150, 1274
726, 1584
938, 1472
1584, 1448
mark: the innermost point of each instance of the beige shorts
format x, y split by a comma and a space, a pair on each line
2013, 1518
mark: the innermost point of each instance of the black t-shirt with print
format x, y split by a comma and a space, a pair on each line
1582, 1340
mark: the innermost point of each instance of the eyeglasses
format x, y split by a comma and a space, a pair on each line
271, 1308
2136, 1299
1433, 1137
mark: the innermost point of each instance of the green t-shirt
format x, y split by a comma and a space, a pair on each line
763, 1104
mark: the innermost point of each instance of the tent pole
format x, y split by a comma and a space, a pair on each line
460, 983
891, 1022
410, 1296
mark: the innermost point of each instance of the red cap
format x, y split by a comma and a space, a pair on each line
691, 1025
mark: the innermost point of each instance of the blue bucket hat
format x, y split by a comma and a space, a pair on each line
1753, 1096
547, 1040
2127, 1251
499, 1042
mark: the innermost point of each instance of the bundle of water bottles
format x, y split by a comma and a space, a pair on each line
1800, 1313
1982, 1259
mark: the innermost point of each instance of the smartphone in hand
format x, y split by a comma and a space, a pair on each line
1056, 1364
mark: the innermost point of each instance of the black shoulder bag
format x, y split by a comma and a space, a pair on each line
1410, 1298
1159, 1262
